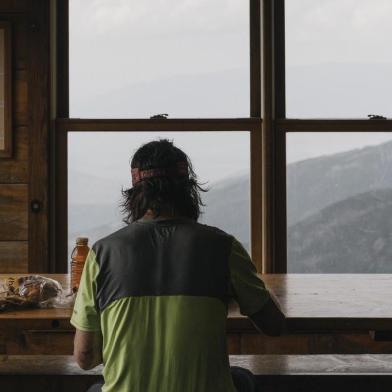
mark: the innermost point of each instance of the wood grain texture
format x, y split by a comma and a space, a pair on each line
256, 137
19, 42
13, 256
20, 98
48, 330
48, 341
312, 303
268, 100
48, 383
255, 58
334, 301
6, 69
314, 364
13, 5
13, 212
15, 170
62, 42
257, 364
274, 373
147, 125
233, 343
332, 343
63, 126
334, 125
39, 95
330, 302
256, 198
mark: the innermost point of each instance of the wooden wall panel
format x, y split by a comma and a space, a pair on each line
13, 256
15, 170
313, 344
233, 343
14, 5
18, 182
13, 212
19, 44
20, 98
38, 98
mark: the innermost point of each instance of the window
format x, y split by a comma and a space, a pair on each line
312, 65
339, 202
138, 58
93, 166
338, 61
98, 168
132, 60
327, 187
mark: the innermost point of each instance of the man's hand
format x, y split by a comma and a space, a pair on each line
270, 319
88, 349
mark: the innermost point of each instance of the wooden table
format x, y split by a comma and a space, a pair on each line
312, 304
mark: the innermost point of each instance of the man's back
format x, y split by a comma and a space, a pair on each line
159, 296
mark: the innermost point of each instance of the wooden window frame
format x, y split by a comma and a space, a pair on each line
267, 124
285, 126
6, 152
275, 128
64, 125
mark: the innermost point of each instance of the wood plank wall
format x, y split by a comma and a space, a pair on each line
15, 173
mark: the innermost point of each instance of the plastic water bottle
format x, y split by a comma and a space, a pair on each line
78, 258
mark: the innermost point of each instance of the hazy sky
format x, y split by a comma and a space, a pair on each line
337, 57
190, 58
301, 145
338, 31
212, 162
137, 51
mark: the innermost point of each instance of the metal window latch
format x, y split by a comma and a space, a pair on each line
376, 117
160, 116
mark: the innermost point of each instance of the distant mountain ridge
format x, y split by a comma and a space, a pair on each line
316, 183
339, 208
96, 211
352, 235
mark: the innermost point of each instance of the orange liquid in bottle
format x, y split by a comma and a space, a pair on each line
78, 258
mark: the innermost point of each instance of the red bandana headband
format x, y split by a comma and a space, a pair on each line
181, 169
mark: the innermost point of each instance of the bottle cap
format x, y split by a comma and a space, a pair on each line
81, 241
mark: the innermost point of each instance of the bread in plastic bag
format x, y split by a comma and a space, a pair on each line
33, 291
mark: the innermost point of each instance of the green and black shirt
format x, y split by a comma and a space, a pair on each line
158, 291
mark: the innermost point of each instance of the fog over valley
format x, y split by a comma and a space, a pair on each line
339, 210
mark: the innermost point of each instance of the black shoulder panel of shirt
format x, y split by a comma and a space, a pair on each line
168, 257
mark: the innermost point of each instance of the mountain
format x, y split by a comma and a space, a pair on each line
227, 206
352, 235
94, 207
316, 183
338, 210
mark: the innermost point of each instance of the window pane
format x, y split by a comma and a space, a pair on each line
99, 167
137, 58
339, 202
338, 58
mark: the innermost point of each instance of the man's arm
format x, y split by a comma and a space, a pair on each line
254, 299
270, 319
86, 318
88, 349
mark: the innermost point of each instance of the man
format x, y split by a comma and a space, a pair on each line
152, 303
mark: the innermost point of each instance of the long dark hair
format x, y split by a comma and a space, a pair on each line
179, 195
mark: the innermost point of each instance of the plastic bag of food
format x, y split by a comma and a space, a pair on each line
33, 291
